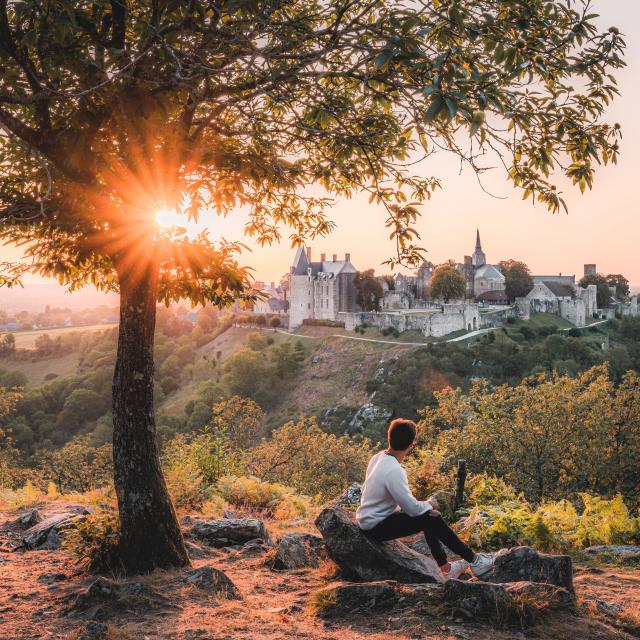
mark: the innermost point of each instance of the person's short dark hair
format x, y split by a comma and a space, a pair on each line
401, 433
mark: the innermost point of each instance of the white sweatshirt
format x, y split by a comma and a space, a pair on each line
385, 491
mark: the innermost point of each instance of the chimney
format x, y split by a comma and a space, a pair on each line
309, 254
335, 257
323, 257
273, 286
347, 257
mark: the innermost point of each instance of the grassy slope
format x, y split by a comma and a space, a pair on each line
27, 339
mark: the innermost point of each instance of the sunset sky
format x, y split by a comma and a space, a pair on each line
602, 226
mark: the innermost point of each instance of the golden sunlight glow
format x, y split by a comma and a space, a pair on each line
168, 218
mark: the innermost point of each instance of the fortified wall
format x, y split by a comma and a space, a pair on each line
436, 322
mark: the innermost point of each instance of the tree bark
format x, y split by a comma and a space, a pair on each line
150, 535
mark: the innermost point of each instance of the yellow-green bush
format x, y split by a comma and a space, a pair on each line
270, 497
93, 541
554, 526
605, 522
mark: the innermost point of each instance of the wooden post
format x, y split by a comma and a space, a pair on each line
461, 477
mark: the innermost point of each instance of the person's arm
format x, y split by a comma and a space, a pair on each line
398, 487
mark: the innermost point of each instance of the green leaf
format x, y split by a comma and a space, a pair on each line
434, 109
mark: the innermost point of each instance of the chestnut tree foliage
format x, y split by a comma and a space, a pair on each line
111, 109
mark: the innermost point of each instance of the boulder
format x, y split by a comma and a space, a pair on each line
350, 496
104, 598
526, 564
361, 559
621, 552
298, 550
227, 532
519, 603
340, 598
214, 581
52, 520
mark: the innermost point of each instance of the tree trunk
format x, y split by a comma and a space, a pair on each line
150, 535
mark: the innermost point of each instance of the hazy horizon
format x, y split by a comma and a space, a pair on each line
602, 226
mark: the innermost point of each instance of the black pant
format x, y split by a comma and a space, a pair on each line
436, 531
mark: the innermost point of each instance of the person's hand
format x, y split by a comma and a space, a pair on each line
434, 513
433, 501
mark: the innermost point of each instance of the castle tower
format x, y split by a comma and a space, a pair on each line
478, 258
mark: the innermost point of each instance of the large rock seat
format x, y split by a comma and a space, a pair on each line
361, 559
526, 564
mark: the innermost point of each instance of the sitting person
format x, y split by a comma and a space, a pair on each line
388, 509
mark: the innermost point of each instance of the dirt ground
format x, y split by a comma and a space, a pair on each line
36, 603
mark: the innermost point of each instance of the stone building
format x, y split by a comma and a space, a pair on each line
481, 277
320, 290
574, 305
436, 321
275, 301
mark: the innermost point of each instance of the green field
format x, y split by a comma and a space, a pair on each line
27, 339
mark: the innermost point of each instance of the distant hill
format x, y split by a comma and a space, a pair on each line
35, 297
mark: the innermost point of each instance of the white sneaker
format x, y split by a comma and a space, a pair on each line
456, 569
482, 564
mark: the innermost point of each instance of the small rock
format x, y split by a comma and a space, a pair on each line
186, 520
214, 581
254, 548
31, 518
49, 578
227, 513
196, 551
298, 550
623, 552
93, 630
230, 531
526, 564
360, 558
610, 609
351, 496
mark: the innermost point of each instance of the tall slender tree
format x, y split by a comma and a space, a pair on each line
110, 110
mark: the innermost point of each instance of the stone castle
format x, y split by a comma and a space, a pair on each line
325, 290
320, 290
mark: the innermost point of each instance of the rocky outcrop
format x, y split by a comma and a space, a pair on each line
228, 532
526, 564
369, 415
359, 558
350, 496
621, 552
213, 581
51, 521
297, 551
519, 603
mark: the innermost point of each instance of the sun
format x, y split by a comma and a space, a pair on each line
168, 218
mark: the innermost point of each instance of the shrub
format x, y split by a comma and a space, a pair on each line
193, 463
311, 461
574, 333
268, 497
275, 322
94, 543
605, 522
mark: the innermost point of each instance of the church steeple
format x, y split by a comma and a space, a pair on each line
478, 258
